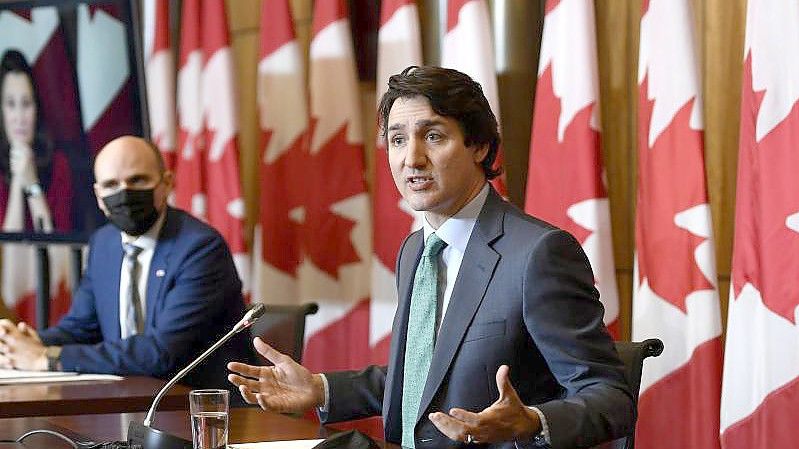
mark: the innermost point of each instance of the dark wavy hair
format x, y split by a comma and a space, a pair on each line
14, 62
451, 94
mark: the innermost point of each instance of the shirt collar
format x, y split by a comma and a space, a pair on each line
457, 229
149, 239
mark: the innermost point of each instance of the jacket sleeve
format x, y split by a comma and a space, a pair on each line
81, 324
563, 314
355, 394
184, 322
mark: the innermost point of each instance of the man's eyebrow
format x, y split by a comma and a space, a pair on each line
427, 123
421, 124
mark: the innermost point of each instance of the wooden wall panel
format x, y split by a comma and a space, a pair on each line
245, 49
517, 29
721, 29
617, 25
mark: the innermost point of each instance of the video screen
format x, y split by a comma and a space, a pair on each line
69, 83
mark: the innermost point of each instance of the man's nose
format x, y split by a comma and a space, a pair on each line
416, 155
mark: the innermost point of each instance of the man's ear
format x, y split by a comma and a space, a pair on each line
168, 179
100, 202
480, 153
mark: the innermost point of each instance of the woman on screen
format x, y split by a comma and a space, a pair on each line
35, 187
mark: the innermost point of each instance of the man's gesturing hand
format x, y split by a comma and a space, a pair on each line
285, 387
507, 419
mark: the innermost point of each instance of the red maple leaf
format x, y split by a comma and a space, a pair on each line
24, 13
111, 10
562, 173
765, 248
671, 179
311, 183
280, 246
550, 5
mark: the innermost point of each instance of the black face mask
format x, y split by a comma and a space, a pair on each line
132, 211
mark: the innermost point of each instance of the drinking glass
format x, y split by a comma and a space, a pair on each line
209, 418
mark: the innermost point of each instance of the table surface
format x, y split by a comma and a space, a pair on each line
246, 425
131, 394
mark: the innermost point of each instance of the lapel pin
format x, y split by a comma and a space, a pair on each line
160, 273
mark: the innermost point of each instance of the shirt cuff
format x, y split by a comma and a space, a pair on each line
53, 354
544, 426
326, 407
539, 440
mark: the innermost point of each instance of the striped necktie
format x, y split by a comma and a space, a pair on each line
133, 323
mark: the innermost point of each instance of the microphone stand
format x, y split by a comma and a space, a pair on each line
147, 437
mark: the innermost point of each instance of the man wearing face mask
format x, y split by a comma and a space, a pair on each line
159, 288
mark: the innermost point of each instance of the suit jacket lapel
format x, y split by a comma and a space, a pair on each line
106, 281
476, 271
159, 265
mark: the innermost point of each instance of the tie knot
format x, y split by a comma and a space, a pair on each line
131, 250
433, 245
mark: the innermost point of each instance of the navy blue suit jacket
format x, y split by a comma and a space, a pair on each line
193, 298
524, 297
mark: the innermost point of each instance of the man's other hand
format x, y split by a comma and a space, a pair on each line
21, 348
286, 387
507, 419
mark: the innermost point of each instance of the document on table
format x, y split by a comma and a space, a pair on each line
294, 444
13, 376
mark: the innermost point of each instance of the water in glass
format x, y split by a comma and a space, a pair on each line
209, 430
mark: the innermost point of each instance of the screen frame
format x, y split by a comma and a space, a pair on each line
132, 20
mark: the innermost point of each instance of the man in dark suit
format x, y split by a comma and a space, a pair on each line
160, 286
511, 351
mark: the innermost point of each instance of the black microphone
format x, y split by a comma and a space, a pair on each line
148, 437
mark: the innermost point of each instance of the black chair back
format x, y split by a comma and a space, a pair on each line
283, 327
632, 354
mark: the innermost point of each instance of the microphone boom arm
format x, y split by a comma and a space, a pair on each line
249, 318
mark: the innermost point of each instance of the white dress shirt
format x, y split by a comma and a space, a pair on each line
146, 242
455, 232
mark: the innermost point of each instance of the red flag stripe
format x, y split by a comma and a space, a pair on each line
564, 182
453, 12
675, 301
161, 37
327, 12
389, 7
277, 28
761, 365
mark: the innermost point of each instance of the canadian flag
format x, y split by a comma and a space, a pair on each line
674, 295
283, 116
398, 46
760, 394
334, 215
207, 164
565, 181
468, 48
159, 65
107, 89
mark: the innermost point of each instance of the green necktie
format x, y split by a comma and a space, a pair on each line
420, 339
